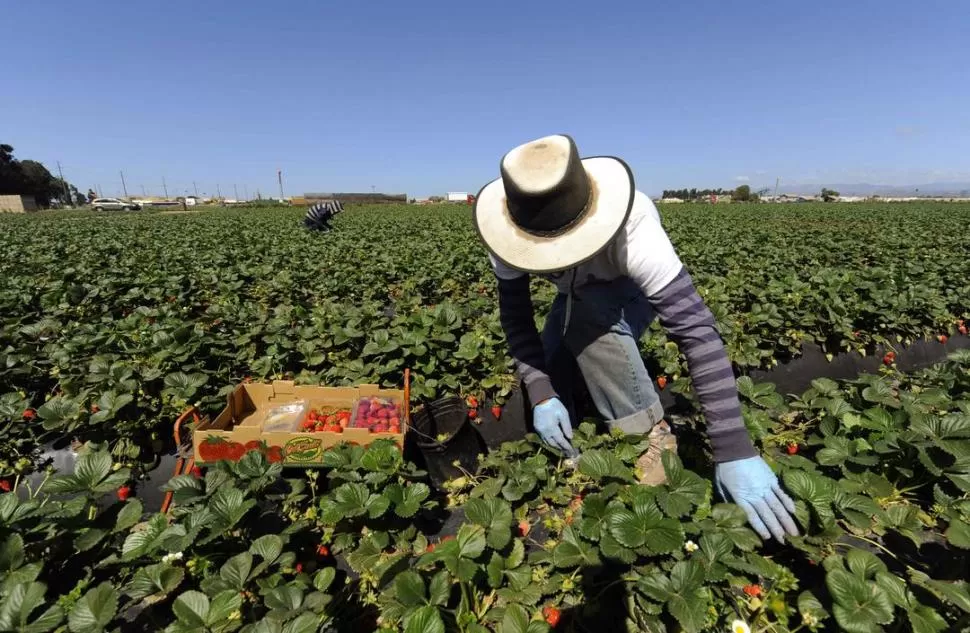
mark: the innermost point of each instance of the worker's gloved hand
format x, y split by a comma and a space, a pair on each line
752, 485
551, 421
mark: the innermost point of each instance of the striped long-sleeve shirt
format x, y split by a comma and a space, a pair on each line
643, 252
319, 214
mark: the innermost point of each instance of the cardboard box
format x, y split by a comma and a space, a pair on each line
238, 427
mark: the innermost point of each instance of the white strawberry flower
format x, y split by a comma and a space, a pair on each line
690, 547
740, 626
168, 558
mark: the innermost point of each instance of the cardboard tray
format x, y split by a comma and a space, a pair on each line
237, 428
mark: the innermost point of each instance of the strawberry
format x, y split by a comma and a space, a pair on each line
299, 568
752, 590
323, 551
235, 451
473, 414
196, 472
889, 358
497, 412
29, 414
551, 615
95, 408
942, 338
274, 454
962, 329
472, 402
123, 493
524, 528
5, 485
394, 428
212, 449
430, 548
792, 448
253, 445
662, 382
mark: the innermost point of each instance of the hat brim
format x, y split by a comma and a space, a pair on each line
612, 199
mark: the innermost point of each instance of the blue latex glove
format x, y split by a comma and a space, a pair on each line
551, 421
752, 485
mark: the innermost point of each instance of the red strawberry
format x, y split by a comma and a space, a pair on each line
942, 338
473, 413
299, 568
792, 448
889, 358
430, 548
551, 615
253, 445
752, 590
5, 485
524, 528
662, 382
235, 451
472, 402
123, 493
497, 412
962, 329
196, 472
212, 449
323, 551
95, 408
274, 454
29, 414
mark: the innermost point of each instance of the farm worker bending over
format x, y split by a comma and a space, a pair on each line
319, 215
583, 225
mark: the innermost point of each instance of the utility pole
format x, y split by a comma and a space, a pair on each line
143, 194
246, 191
124, 187
218, 191
165, 187
67, 194
776, 186
196, 189
279, 176
235, 192
100, 195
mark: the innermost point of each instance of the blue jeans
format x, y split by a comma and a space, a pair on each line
606, 321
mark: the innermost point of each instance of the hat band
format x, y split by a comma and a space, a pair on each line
577, 218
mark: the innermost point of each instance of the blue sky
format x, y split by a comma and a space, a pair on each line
425, 97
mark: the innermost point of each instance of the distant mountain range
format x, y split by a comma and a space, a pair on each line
945, 189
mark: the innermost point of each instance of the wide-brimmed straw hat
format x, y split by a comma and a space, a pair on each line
551, 210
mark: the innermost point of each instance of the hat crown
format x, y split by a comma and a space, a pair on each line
546, 187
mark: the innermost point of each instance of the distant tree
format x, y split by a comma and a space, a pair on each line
742, 194
828, 195
28, 178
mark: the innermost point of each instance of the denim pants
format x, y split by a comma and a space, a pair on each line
600, 340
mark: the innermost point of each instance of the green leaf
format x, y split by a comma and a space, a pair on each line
284, 598
859, 606
599, 464
154, 580
129, 515
424, 620
268, 547
440, 589
223, 605
864, 564
57, 412
192, 609
324, 578
683, 489
95, 610
408, 499
923, 619
956, 593
236, 570
410, 590
495, 515
810, 607
12, 553
573, 551
19, 604
646, 527
689, 607
145, 540
958, 533
515, 620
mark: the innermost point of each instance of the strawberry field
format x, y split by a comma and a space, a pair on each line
111, 326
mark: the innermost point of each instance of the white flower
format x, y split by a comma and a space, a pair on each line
168, 558
691, 547
810, 620
740, 626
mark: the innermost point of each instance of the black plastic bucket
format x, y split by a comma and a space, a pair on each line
446, 417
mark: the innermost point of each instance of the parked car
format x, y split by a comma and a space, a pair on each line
114, 204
